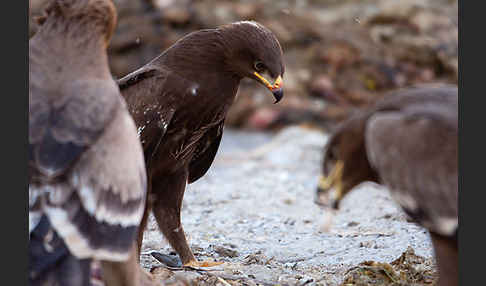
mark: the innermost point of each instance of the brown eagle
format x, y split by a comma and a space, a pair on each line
87, 178
408, 142
179, 102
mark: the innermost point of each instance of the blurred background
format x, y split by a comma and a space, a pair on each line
340, 55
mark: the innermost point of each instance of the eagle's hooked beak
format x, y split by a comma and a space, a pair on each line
332, 186
275, 88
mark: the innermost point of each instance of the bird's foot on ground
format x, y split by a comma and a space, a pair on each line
174, 262
197, 264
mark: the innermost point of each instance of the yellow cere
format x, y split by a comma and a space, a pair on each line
324, 183
270, 86
333, 178
278, 82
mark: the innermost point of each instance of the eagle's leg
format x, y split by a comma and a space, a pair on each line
169, 193
127, 273
143, 225
446, 256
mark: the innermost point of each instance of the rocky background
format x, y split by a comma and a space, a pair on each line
339, 54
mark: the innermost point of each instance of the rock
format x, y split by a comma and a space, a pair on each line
256, 258
226, 252
161, 273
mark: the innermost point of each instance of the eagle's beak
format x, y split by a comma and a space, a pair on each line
275, 88
331, 187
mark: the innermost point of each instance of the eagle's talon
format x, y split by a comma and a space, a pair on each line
167, 260
197, 264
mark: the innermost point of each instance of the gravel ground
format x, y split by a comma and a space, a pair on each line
254, 210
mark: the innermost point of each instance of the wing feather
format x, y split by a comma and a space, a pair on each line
415, 154
151, 93
99, 216
63, 126
205, 152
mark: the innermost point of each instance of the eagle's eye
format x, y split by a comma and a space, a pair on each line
259, 66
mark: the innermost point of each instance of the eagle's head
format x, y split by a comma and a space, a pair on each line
81, 20
253, 51
345, 163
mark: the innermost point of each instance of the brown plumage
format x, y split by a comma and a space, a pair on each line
87, 179
408, 142
179, 102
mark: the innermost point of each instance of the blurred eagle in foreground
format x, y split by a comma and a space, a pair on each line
87, 178
407, 141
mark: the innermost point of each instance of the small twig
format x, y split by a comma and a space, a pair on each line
223, 281
389, 276
351, 269
373, 268
357, 233
188, 268
268, 261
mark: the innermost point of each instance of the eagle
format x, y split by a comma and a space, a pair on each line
179, 102
407, 141
87, 176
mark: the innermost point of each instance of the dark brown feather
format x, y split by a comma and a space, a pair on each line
205, 153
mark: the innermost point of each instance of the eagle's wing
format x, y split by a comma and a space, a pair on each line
64, 121
205, 152
50, 259
145, 72
96, 202
151, 93
151, 117
64, 125
100, 217
414, 151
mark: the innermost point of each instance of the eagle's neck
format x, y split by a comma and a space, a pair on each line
201, 56
67, 56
